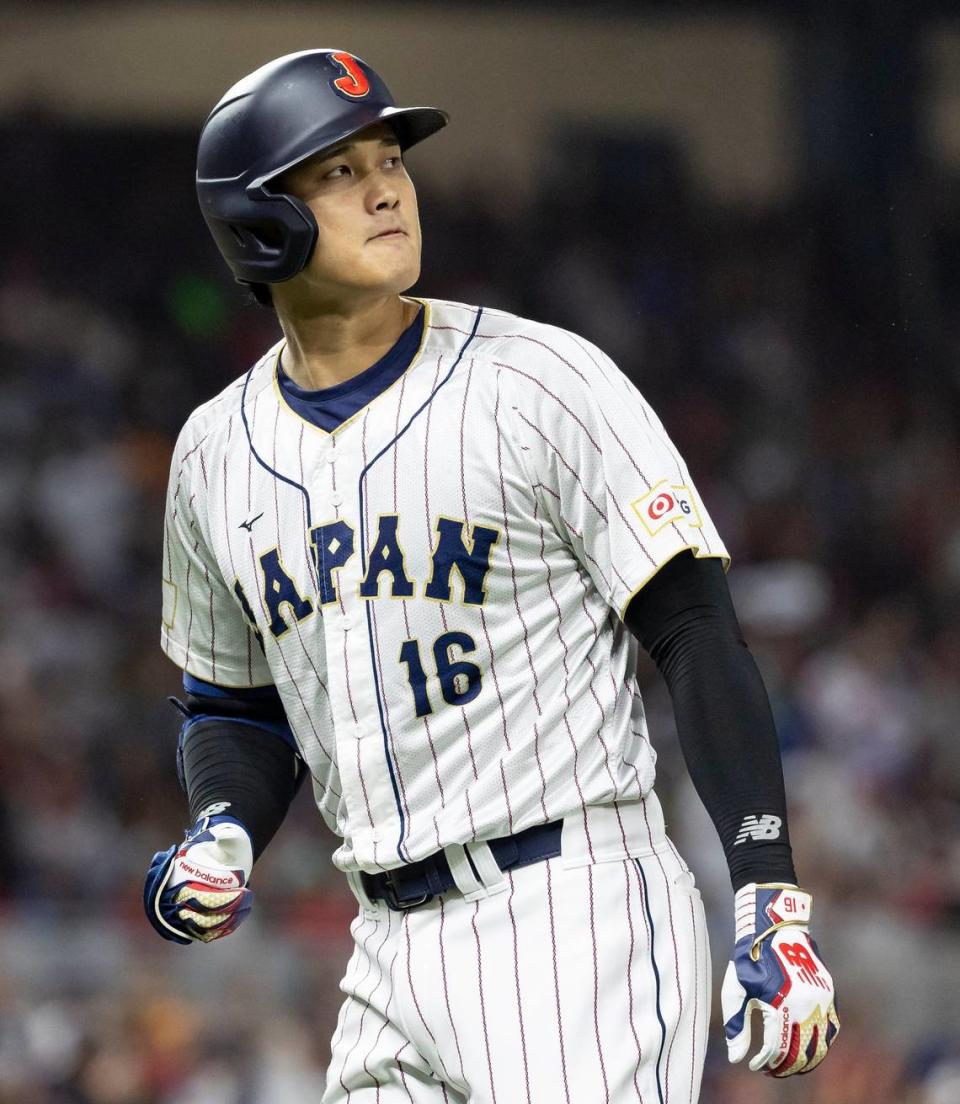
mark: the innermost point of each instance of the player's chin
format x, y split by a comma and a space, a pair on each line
397, 277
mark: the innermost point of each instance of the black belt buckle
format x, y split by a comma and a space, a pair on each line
387, 890
395, 903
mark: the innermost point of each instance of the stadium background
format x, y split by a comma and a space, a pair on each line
754, 209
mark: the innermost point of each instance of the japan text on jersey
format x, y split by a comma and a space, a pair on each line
436, 587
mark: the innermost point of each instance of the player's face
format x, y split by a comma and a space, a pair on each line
366, 210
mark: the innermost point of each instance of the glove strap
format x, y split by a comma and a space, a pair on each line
763, 909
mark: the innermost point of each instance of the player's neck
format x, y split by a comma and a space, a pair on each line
327, 348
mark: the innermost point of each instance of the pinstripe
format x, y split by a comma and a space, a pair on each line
348, 985
383, 1027
403, 1076
593, 693
295, 622
575, 531
629, 528
466, 521
206, 579
396, 432
196, 544
233, 566
696, 988
630, 1000
363, 784
483, 1006
443, 616
293, 682
346, 657
563, 460
676, 968
396, 775
405, 924
566, 671
596, 986
696, 979
307, 555
249, 502
543, 777
506, 796
513, 570
556, 398
673, 937
426, 477
463, 422
249, 432
386, 715
466, 798
365, 1001
429, 734
213, 625
346, 673
516, 978
556, 983
645, 897
446, 995
496, 682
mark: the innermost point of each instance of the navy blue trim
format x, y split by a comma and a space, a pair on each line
259, 459
202, 688
656, 975
363, 568
329, 407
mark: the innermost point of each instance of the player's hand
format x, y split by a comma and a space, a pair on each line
777, 969
197, 891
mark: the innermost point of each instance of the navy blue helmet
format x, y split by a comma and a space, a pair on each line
274, 118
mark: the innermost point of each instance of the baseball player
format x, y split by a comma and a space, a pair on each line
412, 554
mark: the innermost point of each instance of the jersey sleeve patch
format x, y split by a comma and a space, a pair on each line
666, 503
169, 603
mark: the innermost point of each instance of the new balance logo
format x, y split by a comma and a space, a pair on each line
766, 827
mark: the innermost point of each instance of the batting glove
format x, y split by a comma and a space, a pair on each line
196, 892
777, 968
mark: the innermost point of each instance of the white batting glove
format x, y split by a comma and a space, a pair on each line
777, 969
196, 891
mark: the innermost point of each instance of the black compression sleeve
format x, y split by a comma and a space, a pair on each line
684, 618
257, 773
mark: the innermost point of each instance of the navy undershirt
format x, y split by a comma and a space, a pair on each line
330, 407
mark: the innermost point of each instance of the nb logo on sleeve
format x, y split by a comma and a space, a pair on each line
766, 827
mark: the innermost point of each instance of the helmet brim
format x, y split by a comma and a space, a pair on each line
411, 125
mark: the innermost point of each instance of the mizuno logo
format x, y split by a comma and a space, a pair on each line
766, 827
248, 525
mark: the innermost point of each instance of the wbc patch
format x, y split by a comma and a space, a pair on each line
664, 504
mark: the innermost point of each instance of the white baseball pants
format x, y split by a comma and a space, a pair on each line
564, 984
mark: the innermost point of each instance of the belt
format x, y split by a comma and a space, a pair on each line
406, 887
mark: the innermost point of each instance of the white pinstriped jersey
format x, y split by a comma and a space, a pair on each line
436, 587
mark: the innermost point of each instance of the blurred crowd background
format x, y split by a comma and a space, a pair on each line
799, 340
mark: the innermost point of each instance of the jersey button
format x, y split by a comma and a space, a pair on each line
336, 498
346, 622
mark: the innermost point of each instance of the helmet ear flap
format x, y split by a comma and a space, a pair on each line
271, 246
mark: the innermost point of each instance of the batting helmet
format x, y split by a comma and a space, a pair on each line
280, 114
